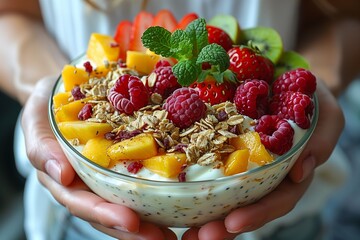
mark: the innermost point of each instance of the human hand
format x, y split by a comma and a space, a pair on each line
58, 176
284, 198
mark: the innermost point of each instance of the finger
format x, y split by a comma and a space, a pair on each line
274, 205
330, 124
147, 231
214, 231
42, 148
83, 203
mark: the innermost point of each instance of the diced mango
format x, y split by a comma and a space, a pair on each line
102, 48
73, 76
168, 165
82, 130
142, 62
100, 71
70, 111
251, 141
61, 98
237, 162
95, 150
140, 147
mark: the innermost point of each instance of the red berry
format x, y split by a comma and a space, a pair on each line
246, 63
162, 80
77, 94
184, 107
128, 94
297, 80
295, 106
85, 112
219, 36
134, 167
251, 98
213, 92
275, 133
88, 67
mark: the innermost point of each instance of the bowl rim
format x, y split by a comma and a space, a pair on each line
301, 143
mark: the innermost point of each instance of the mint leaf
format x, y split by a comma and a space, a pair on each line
181, 45
198, 34
157, 39
186, 72
215, 55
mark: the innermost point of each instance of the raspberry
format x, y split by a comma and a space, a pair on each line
297, 80
251, 98
295, 106
184, 107
275, 133
128, 94
85, 112
162, 80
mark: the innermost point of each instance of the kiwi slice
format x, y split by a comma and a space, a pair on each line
290, 60
230, 25
267, 40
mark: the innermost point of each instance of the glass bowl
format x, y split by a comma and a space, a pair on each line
180, 204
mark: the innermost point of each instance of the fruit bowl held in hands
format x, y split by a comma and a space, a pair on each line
174, 203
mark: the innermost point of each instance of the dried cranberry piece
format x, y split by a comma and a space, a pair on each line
182, 177
134, 167
88, 67
85, 112
76, 93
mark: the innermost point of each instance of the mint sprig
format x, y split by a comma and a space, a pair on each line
191, 48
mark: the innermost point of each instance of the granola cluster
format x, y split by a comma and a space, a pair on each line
204, 142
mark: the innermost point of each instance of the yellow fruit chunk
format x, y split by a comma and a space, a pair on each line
61, 98
237, 162
73, 76
70, 111
142, 62
95, 150
102, 48
168, 165
140, 147
82, 130
251, 141
100, 71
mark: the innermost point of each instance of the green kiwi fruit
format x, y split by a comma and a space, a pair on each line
266, 39
290, 60
230, 25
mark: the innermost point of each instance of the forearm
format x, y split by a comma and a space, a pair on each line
28, 54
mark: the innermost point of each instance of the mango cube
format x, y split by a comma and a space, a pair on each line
73, 76
168, 165
102, 48
82, 130
237, 162
61, 98
95, 150
251, 141
140, 147
70, 111
142, 62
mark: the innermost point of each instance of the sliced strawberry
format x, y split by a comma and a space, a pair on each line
122, 37
213, 92
143, 20
188, 18
166, 19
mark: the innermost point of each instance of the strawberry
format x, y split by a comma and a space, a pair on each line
164, 18
143, 20
219, 36
188, 18
213, 92
122, 37
246, 63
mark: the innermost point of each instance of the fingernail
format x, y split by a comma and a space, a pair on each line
308, 166
241, 230
120, 228
52, 168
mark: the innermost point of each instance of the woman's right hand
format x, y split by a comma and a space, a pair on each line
58, 176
